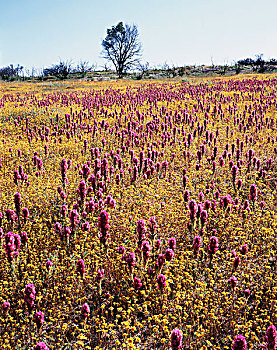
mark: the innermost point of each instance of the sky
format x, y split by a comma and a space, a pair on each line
39, 33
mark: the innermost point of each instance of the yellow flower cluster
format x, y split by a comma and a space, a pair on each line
143, 207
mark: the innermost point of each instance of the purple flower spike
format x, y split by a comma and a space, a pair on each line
239, 343
176, 339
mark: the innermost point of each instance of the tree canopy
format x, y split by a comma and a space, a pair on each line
122, 47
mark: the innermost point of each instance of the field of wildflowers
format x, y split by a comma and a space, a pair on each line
139, 215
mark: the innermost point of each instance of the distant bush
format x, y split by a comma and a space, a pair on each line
258, 64
181, 71
143, 69
84, 67
237, 68
246, 62
60, 70
273, 61
10, 72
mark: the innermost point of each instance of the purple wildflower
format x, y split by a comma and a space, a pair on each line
5, 307
239, 343
48, 264
103, 224
169, 254
244, 249
271, 338
131, 260
196, 245
41, 346
85, 310
137, 283
39, 319
80, 267
213, 245
172, 243
30, 295
161, 280
233, 281
253, 193
176, 339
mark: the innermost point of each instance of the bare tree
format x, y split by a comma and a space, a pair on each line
143, 68
106, 67
165, 66
122, 47
84, 67
35, 72
27, 72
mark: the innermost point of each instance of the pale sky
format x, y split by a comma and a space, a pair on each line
37, 33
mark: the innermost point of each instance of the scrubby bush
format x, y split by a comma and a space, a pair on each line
60, 71
10, 72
